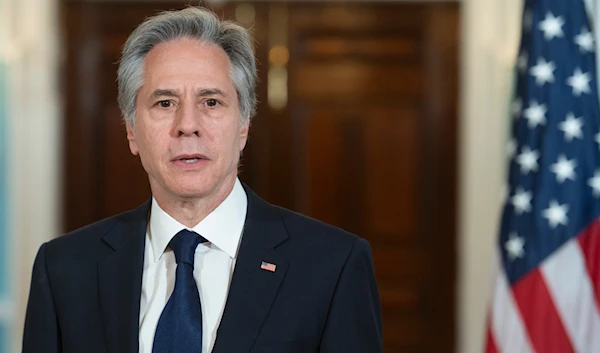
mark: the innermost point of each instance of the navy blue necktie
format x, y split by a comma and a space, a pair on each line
179, 328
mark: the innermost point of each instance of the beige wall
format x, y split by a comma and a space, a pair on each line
490, 42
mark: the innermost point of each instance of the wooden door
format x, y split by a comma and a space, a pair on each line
364, 137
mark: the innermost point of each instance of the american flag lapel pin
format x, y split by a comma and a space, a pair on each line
267, 266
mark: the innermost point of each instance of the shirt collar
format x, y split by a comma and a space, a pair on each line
222, 227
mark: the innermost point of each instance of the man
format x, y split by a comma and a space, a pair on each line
205, 265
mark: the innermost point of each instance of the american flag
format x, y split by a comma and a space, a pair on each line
267, 266
547, 287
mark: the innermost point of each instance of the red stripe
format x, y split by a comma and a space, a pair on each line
545, 328
589, 241
490, 346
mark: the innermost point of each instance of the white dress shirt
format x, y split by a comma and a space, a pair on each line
213, 265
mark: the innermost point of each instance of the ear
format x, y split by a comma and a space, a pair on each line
244, 134
133, 147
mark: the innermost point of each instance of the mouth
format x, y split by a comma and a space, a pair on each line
189, 158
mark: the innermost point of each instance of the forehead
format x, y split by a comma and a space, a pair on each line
187, 63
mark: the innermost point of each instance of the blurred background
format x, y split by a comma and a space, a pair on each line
388, 119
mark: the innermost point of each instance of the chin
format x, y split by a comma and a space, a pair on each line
192, 193
193, 187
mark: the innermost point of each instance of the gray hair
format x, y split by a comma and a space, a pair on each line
195, 23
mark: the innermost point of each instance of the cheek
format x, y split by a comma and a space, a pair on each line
152, 144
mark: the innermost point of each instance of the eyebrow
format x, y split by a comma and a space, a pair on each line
165, 93
175, 93
211, 92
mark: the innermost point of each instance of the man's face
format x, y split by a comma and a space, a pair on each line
187, 130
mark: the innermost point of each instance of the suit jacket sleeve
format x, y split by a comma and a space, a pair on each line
41, 333
354, 319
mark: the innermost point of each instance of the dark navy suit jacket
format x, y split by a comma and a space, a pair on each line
86, 288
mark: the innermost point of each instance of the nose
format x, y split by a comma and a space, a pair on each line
187, 120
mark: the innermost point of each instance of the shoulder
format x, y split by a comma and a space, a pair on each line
320, 253
84, 241
306, 235
319, 241
313, 230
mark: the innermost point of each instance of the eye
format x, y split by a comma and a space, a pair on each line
211, 102
165, 104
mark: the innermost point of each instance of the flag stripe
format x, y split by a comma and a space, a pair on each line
491, 344
507, 326
542, 321
569, 284
589, 241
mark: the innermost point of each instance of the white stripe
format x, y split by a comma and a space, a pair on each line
507, 326
568, 282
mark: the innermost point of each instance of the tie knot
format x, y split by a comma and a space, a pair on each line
184, 246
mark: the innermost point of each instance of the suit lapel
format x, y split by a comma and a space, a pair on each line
120, 281
252, 289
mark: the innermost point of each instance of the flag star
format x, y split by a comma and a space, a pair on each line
597, 139
585, 40
543, 71
572, 127
514, 246
552, 26
511, 148
521, 201
536, 114
528, 160
580, 81
556, 214
594, 182
522, 62
564, 169
517, 105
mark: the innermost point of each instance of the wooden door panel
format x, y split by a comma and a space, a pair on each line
354, 81
384, 46
392, 160
371, 151
357, 17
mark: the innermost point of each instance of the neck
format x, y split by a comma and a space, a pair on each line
190, 211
